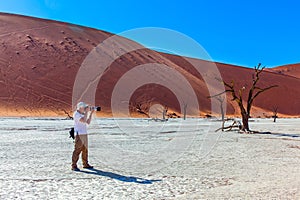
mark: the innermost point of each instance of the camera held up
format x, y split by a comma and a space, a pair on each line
95, 108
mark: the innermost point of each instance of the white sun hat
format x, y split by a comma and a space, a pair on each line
81, 105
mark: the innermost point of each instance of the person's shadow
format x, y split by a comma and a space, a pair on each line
119, 177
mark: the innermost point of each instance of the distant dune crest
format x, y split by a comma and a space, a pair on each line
290, 70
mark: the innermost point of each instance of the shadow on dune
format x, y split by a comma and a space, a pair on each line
119, 177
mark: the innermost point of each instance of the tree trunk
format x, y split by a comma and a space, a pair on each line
245, 119
223, 115
184, 111
164, 114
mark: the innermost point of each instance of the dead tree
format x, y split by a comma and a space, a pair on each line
138, 107
275, 112
253, 92
165, 112
184, 110
67, 113
221, 99
235, 124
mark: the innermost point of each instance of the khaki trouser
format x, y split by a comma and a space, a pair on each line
81, 145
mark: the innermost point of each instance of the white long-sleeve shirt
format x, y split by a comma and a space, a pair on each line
80, 128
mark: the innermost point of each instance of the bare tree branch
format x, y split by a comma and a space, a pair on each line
263, 90
254, 92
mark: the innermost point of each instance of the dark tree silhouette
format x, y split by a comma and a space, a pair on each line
140, 108
184, 110
165, 112
275, 112
254, 92
67, 113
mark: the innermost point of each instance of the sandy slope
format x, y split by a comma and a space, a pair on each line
290, 70
39, 60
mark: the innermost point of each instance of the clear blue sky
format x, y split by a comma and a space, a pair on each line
232, 31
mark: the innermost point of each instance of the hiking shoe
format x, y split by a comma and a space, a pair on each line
88, 167
75, 169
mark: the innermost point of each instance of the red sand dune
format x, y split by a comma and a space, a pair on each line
290, 70
39, 60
